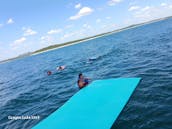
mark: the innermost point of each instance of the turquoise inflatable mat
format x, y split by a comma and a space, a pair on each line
96, 106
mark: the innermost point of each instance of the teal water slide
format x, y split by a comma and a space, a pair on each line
96, 106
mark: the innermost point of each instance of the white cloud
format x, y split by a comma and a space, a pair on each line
144, 13
70, 35
87, 26
98, 20
114, 2
145, 8
77, 6
17, 42
28, 31
54, 31
152, 12
82, 12
65, 36
10, 21
47, 38
132, 8
163, 4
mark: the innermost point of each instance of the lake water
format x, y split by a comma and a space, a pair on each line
146, 51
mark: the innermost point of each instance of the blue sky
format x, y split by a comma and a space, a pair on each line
28, 25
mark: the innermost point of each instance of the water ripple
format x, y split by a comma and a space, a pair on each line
25, 88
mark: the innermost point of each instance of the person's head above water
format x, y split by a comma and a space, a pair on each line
60, 67
80, 75
49, 73
82, 81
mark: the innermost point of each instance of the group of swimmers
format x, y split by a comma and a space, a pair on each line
59, 68
82, 81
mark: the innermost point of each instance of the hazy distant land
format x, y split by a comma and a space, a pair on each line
80, 40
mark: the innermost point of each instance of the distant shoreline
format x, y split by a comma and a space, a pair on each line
94, 37
66, 45
58, 46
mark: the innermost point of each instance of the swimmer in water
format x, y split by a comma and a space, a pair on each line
60, 68
49, 73
82, 81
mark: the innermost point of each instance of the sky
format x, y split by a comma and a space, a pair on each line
29, 25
